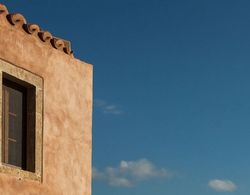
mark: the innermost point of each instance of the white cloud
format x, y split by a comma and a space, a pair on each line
222, 185
99, 103
107, 108
120, 182
96, 174
142, 169
129, 173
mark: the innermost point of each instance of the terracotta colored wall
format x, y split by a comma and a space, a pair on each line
67, 114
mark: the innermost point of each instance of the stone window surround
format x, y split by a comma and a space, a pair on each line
37, 81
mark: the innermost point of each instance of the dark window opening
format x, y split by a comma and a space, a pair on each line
18, 123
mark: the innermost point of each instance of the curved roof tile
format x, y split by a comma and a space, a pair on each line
19, 21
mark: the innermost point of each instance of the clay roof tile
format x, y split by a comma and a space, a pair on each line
18, 20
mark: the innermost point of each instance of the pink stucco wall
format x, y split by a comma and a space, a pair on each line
67, 141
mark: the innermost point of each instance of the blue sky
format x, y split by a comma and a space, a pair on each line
171, 90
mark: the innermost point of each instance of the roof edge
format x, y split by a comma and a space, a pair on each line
19, 21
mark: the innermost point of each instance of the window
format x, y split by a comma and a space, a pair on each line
21, 117
18, 108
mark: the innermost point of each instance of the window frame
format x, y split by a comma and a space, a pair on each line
37, 81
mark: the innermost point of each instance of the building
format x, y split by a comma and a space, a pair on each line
45, 111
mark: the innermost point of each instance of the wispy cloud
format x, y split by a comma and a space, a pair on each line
222, 185
130, 173
107, 108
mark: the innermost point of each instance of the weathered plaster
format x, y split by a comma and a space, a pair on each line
67, 141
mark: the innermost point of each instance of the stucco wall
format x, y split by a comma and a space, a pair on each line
67, 141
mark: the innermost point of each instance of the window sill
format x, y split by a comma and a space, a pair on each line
19, 173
